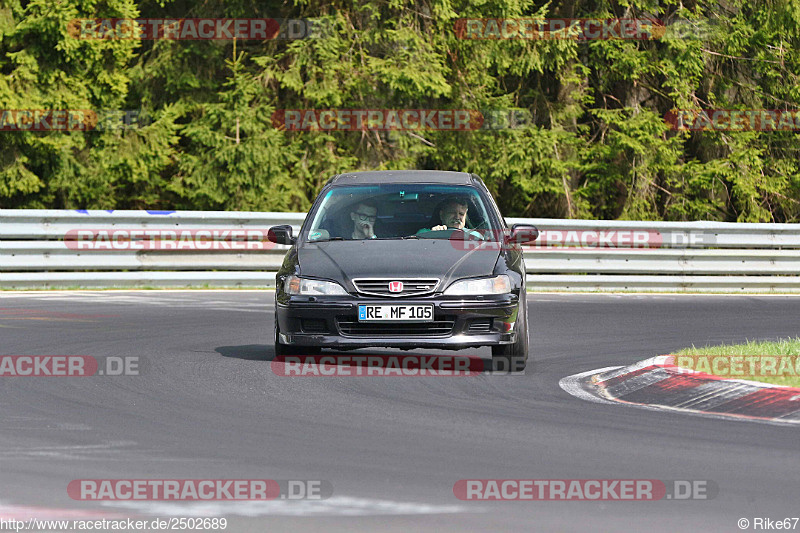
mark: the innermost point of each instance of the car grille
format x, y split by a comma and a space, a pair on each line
351, 326
380, 286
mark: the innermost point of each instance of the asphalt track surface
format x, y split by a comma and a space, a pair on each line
208, 406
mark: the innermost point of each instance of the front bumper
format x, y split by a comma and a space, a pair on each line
458, 323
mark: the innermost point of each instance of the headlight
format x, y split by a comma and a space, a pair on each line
467, 287
312, 287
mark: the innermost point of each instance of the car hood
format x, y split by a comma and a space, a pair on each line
411, 258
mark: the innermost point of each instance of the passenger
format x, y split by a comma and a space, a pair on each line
364, 217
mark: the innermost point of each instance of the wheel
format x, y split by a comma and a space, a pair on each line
452, 233
286, 349
468, 233
514, 357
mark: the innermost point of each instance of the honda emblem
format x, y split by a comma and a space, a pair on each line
395, 286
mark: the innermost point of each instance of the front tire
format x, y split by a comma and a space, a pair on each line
514, 357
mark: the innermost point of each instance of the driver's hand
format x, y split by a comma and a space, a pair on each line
439, 228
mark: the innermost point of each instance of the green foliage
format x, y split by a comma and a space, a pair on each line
596, 146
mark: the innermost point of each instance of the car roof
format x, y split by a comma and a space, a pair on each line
402, 176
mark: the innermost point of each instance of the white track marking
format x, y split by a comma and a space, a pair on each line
334, 506
187, 299
9, 511
81, 451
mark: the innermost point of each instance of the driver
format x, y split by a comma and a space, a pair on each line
364, 217
453, 215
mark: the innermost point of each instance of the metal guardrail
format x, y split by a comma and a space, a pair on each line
584, 255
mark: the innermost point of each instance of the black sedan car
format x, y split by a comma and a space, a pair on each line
403, 259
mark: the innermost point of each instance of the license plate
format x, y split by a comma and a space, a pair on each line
395, 313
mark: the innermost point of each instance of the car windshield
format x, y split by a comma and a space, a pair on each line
397, 211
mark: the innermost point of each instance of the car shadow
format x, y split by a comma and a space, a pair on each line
266, 353
248, 352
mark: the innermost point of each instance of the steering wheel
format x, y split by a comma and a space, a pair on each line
451, 233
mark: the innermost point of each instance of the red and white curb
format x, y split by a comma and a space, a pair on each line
657, 383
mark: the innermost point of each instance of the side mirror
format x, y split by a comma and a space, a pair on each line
281, 235
522, 233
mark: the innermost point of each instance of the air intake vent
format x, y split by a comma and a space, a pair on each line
480, 325
314, 325
350, 326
